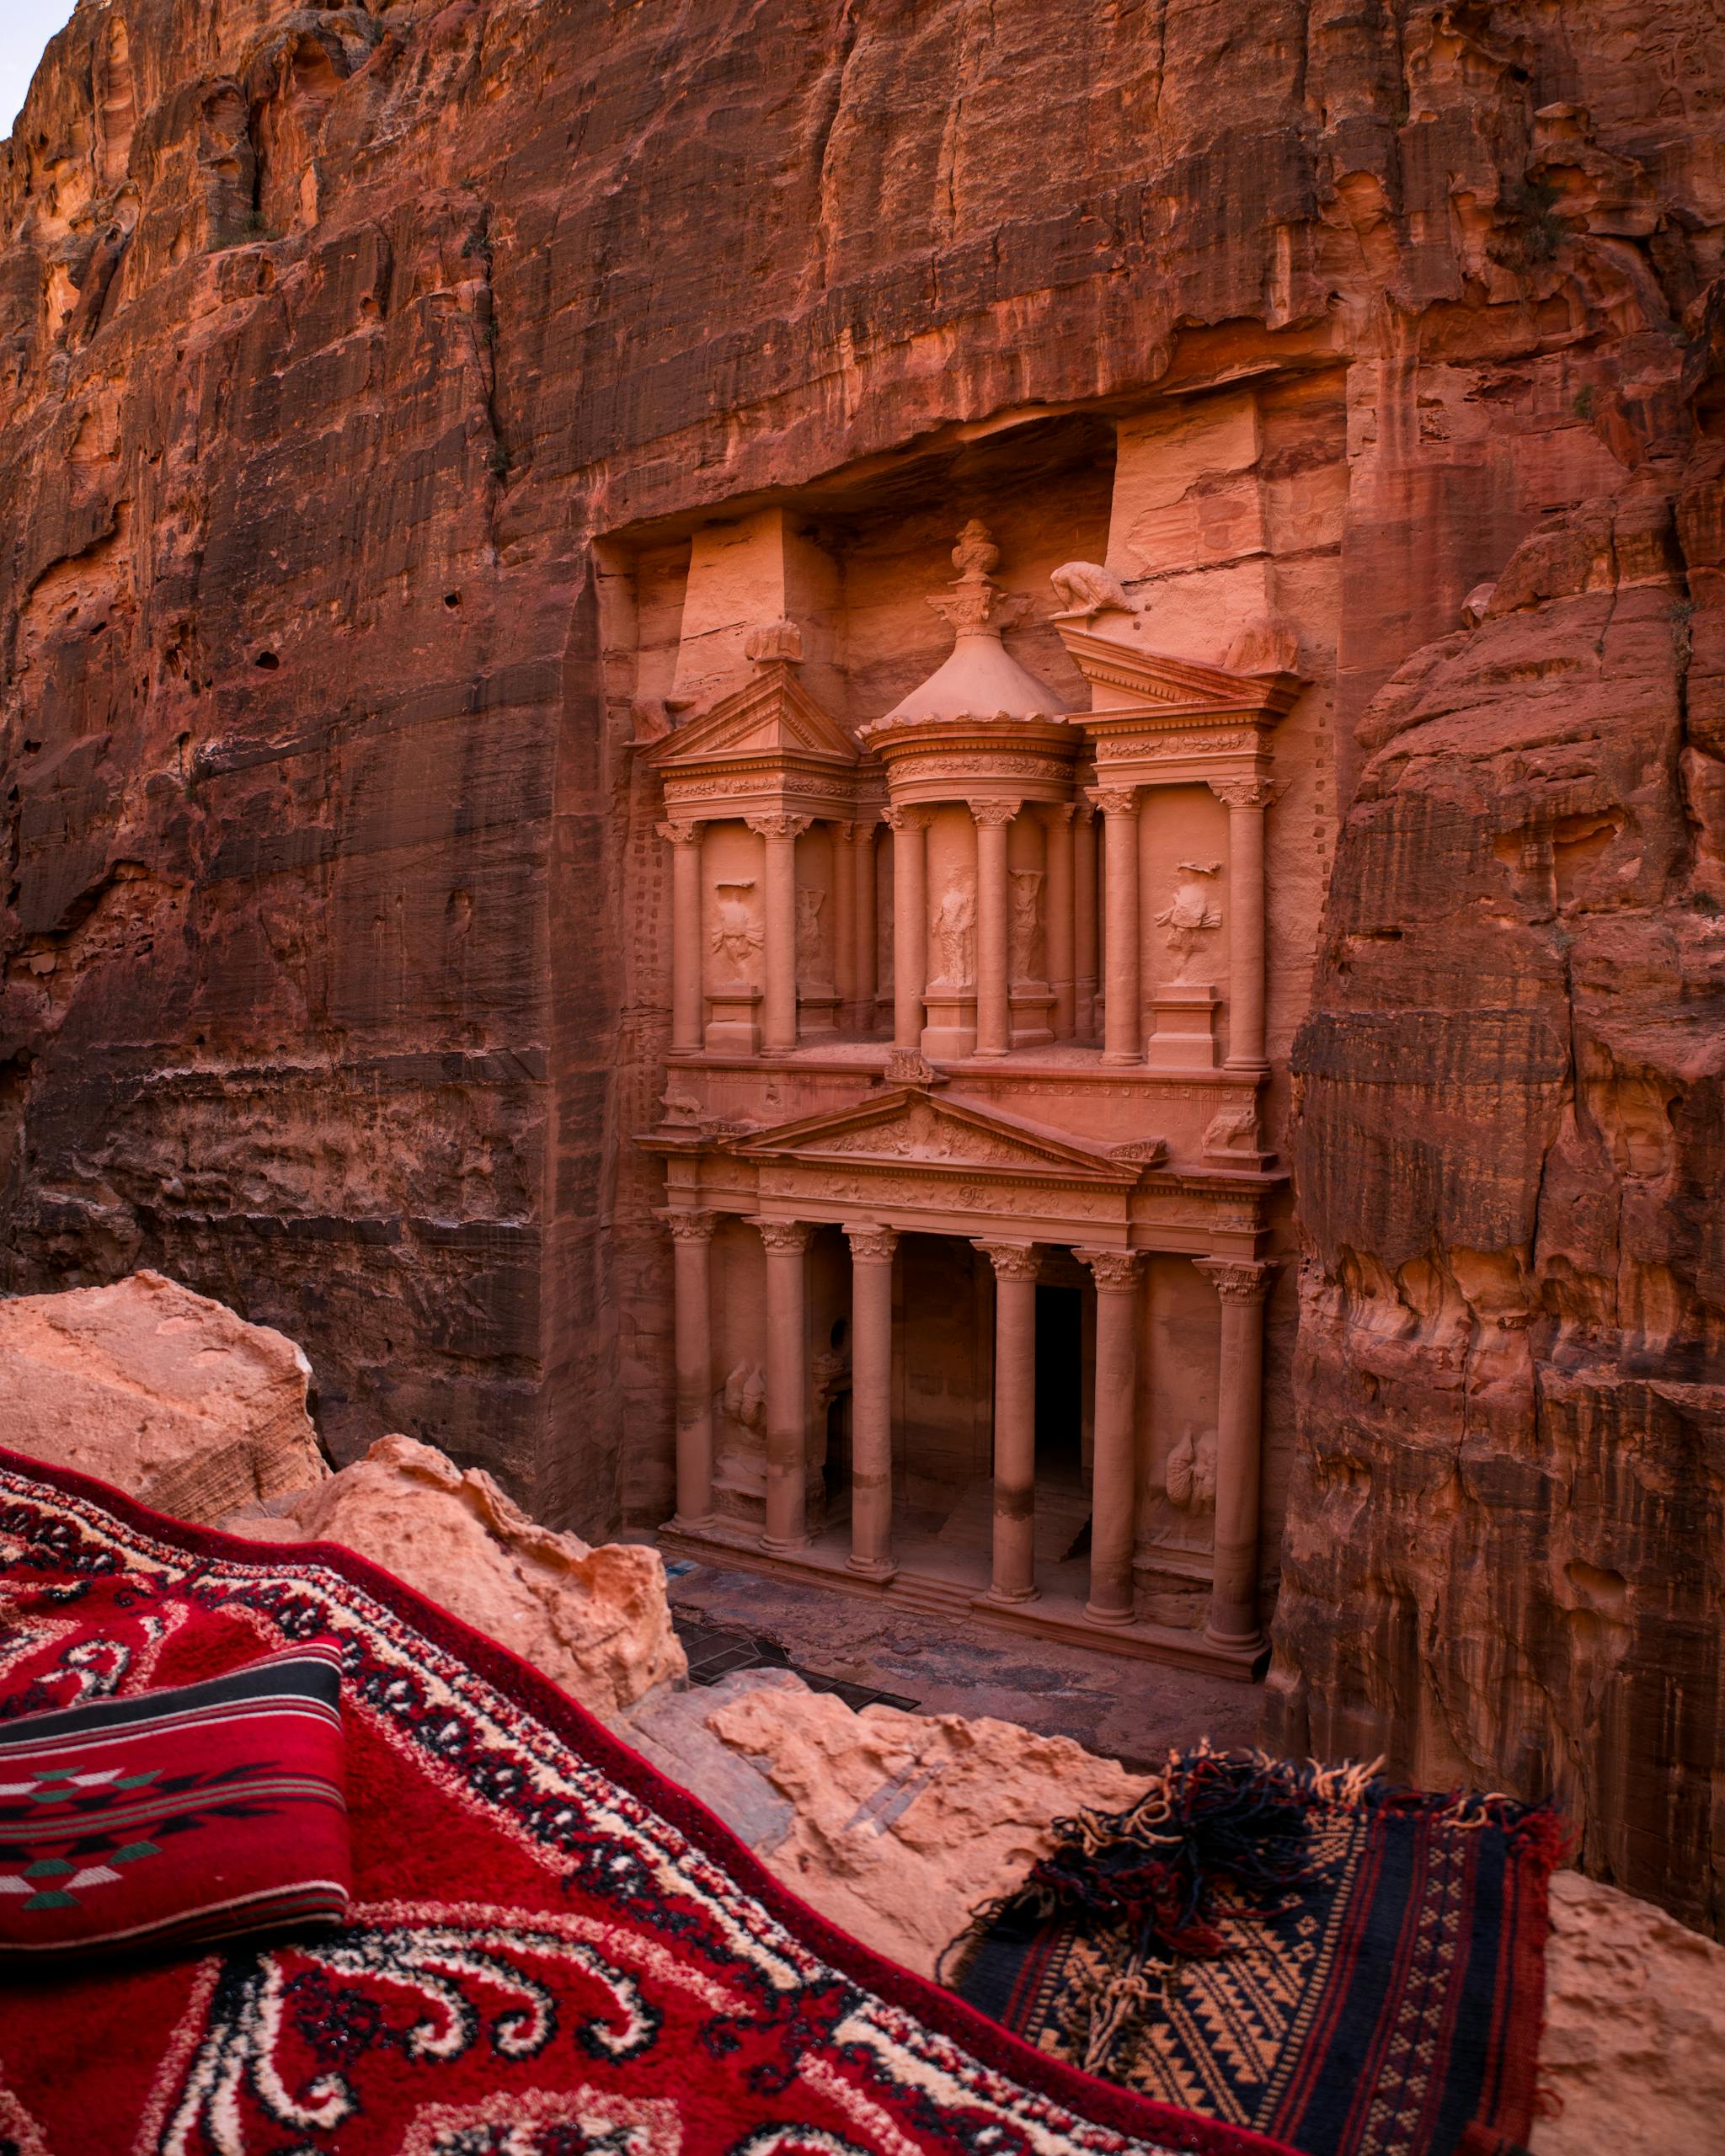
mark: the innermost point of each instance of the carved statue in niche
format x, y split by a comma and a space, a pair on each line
1085, 588
1191, 1471
1026, 927
811, 958
954, 920
1190, 917
737, 935
1183, 1515
1234, 1128
746, 1396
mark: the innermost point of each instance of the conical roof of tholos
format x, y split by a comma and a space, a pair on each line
979, 680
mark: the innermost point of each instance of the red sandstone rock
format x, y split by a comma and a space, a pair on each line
331, 337
1503, 1562
164, 1393
595, 1621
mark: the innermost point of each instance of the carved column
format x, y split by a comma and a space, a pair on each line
786, 1384
686, 999
778, 1007
871, 1401
844, 927
910, 924
867, 959
691, 1243
1113, 1495
993, 938
1084, 920
1124, 1021
1242, 1284
1060, 929
1246, 800
1015, 1268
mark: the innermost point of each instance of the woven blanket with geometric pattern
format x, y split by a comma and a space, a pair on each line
550, 1951
1351, 1968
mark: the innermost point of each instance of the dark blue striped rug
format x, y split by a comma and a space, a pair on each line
1349, 1967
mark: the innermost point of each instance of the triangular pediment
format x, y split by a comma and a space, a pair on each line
909, 1127
772, 716
1124, 678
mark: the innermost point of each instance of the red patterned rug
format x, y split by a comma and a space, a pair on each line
551, 1950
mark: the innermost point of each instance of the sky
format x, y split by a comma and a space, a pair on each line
25, 27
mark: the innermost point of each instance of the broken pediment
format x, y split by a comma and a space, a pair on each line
908, 1127
772, 718
1127, 679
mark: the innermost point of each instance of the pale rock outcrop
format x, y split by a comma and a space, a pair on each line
901, 1823
1632, 2063
165, 1394
596, 1621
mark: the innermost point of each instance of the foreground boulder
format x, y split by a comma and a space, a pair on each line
893, 1825
1632, 2061
166, 1394
596, 1621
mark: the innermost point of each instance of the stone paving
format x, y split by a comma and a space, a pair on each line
731, 1621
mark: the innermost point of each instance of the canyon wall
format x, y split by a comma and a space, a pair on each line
1505, 1555
338, 344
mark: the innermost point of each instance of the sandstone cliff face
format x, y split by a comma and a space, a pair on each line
1505, 1556
336, 340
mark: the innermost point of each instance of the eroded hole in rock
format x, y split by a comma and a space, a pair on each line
268, 660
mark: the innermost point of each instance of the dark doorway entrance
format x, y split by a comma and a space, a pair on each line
1059, 1384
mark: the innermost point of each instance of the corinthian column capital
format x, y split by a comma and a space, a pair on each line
1012, 1261
871, 1245
688, 1227
1116, 1270
1238, 1279
1243, 792
778, 827
682, 832
784, 1235
995, 813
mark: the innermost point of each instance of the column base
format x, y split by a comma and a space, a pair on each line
773, 1546
1118, 1060
1251, 1641
702, 1524
1092, 1615
1248, 1066
872, 1568
1005, 1601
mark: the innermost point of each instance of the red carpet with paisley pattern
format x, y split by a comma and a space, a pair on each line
551, 1950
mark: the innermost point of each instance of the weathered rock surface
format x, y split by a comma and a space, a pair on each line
901, 1824
1505, 1556
164, 1393
595, 1621
1633, 2056
332, 337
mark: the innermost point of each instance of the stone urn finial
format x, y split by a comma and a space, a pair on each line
976, 555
